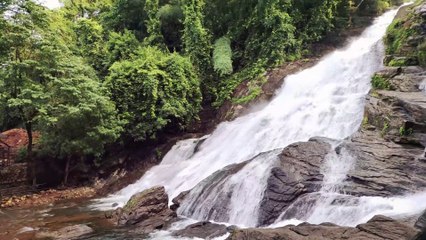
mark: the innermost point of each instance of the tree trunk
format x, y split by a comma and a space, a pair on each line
30, 159
67, 170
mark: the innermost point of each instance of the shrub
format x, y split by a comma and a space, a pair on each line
154, 89
379, 82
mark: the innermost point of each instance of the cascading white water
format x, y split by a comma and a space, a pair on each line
231, 197
325, 100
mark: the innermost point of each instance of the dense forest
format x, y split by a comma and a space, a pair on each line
94, 73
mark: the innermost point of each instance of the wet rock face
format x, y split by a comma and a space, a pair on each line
298, 173
218, 209
399, 113
421, 225
203, 230
177, 201
378, 228
421, 222
66, 233
384, 168
148, 210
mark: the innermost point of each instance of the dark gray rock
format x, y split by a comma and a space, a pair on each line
208, 189
421, 221
148, 210
298, 173
204, 230
177, 201
383, 168
398, 116
378, 228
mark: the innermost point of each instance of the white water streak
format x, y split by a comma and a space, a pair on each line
231, 197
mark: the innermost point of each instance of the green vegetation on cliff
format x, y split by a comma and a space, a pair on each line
405, 41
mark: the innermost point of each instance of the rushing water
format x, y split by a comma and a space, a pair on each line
325, 100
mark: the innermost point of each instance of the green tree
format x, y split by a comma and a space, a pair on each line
127, 14
120, 46
90, 42
154, 90
153, 24
79, 119
196, 39
27, 65
76, 9
171, 18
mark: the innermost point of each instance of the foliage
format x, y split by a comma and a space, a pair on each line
314, 18
379, 82
27, 64
78, 119
46, 87
396, 36
399, 62
227, 86
90, 42
120, 46
373, 7
87, 9
154, 89
222, 56
171, 18
127, 14
196, 39
153, 25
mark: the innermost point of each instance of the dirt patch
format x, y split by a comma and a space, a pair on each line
47, 197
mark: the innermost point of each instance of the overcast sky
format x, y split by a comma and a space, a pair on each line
51, 3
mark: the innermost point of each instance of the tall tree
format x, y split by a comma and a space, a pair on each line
153, 24
27, 66
196, 38
79, 119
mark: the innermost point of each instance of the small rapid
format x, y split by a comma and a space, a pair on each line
325, 100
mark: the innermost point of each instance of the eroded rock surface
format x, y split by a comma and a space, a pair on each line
378, 228
298, 173
204, 230
148, 210
384, 168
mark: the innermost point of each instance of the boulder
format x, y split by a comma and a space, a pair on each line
378, 228
204, 230
297, 173
148, 210
66, 233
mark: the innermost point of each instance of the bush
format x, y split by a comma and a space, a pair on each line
222, 56
154, 89
379, 82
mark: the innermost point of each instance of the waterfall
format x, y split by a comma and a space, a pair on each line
232, 197
325, 100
